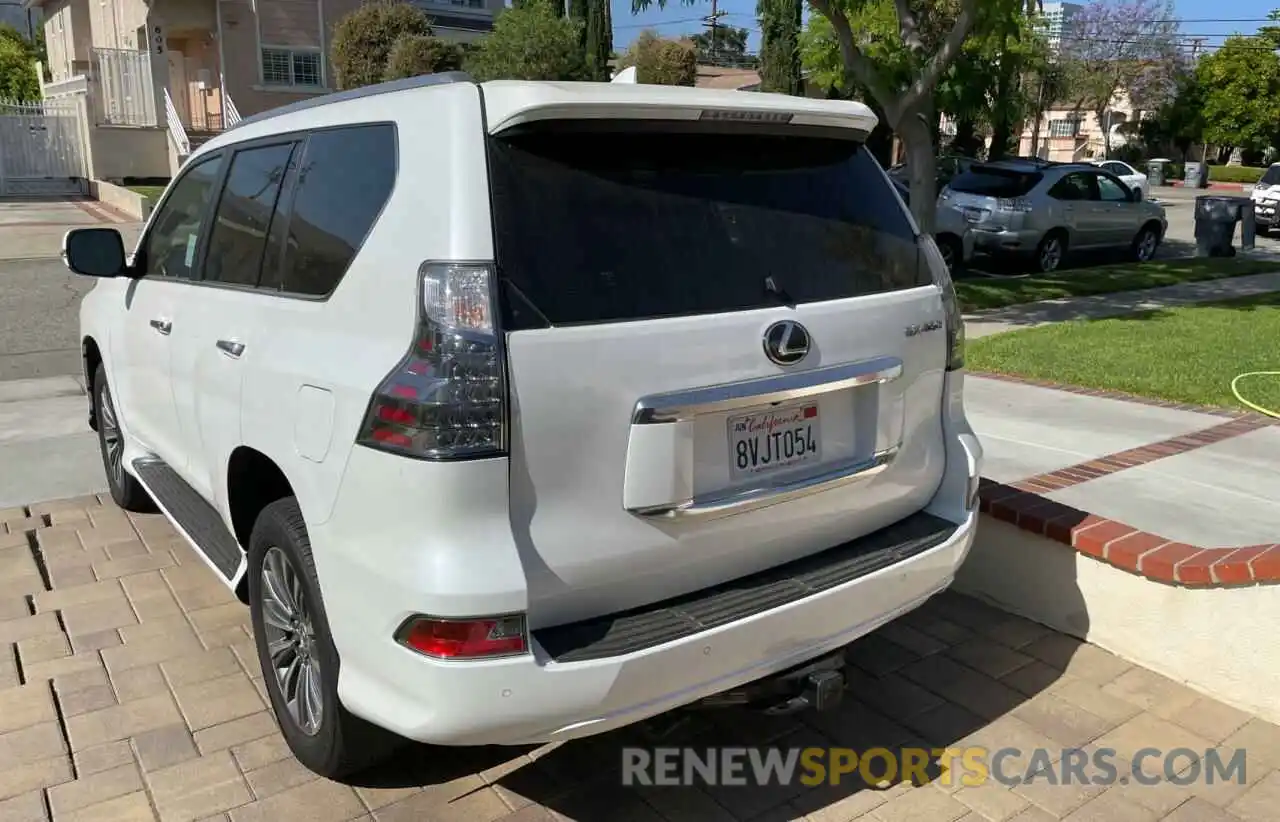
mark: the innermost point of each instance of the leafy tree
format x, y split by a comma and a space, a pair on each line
1119, 47
661, 61
530, 42
415, 54
18, 56
780, 46
730, 44
1240, 85
362, 40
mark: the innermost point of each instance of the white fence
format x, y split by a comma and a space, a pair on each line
128, 88
42, 148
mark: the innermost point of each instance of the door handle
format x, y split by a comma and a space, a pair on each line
162, 325
231, 348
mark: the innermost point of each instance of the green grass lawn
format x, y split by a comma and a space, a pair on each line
1185, 354
152, 193
979, 292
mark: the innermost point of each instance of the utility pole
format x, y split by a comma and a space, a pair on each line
712, 23
1195, 47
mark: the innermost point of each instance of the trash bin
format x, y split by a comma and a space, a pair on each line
1194, 176
1155, 172
1216, 218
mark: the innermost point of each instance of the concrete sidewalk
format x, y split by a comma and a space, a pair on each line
1194, 477
33, 228
46, 448
1099, 306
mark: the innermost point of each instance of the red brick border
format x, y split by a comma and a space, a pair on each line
1123, 546
1142, 455
100, 210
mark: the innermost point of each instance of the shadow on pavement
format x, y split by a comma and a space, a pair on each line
954, 672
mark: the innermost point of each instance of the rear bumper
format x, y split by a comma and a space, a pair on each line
1005, 241
534, 698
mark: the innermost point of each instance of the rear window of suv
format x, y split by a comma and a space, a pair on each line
995, 182
613, 225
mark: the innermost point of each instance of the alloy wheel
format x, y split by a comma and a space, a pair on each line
291, 642
1051, 255
1147, 245
112, 441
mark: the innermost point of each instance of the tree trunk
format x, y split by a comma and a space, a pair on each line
1002, 129
966, 141
922, 166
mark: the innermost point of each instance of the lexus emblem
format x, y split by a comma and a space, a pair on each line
786, 342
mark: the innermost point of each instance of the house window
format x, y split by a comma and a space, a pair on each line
291, 67
1069, 127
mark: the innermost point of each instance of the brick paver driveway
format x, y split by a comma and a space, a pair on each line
129, 690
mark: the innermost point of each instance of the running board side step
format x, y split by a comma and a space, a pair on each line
198, 521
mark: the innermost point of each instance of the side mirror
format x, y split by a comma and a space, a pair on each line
94, 252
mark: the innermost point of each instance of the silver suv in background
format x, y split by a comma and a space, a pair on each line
950, 232
1043, 210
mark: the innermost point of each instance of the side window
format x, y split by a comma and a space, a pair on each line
1112, 190
170, 247
1072, 187
243, 218
345, 177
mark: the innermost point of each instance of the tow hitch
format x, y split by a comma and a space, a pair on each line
817, 684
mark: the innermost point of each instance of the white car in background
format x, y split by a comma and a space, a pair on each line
1266, 199
1128, 175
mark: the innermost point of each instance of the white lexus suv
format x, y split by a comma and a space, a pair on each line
519, 412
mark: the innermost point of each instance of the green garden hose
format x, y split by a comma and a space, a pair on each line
1246, 403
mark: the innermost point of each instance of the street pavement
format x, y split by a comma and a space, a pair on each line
130, 691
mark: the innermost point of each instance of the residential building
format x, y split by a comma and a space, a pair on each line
1068, 134
1057, 21
159, 77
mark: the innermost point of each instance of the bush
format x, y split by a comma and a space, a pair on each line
1235, 174
415, 54
362, 40
529, 42
661, 61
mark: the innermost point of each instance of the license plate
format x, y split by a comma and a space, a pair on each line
773, 440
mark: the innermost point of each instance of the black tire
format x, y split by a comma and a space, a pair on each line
125, 490
1046, 260
340, 743
1145, 243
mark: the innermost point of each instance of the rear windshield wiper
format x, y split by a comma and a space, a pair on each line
772, 289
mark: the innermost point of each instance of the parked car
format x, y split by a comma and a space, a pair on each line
1127, 175
507, 439
949, 165
950, 232
1043, 210
1266, 199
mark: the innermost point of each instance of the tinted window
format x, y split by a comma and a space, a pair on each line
170, 247
605, 225
1271, 176
344, 178
995, 182
243, 218
1073, 187
1111, 190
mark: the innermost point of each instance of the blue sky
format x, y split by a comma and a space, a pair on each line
1206, 18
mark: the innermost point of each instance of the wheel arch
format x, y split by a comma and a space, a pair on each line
254, 481
91, 358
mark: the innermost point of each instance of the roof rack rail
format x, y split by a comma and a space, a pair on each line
421, 81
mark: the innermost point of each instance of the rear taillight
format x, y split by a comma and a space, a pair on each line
954, 321
447, 398
465, 638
